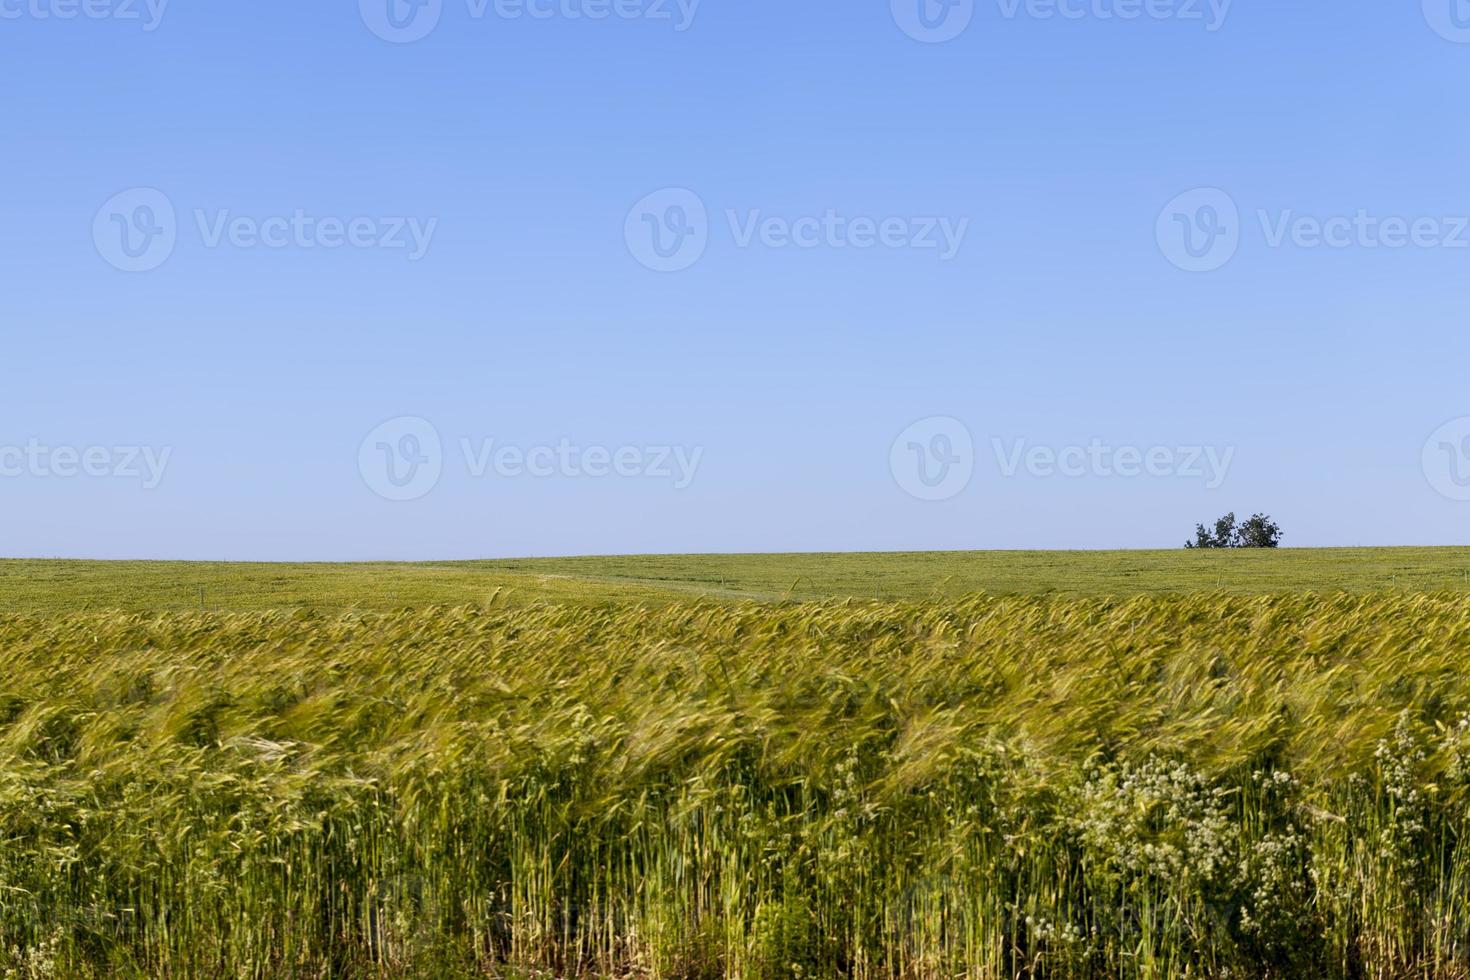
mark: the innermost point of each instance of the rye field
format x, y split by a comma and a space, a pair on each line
71, 586
1139, 765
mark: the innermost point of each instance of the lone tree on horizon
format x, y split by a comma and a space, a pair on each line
1258, 532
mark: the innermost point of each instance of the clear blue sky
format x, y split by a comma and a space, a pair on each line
1063, 323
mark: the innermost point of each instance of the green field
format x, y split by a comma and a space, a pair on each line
1138, 765
56, 586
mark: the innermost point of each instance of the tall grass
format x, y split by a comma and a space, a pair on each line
1158, 787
